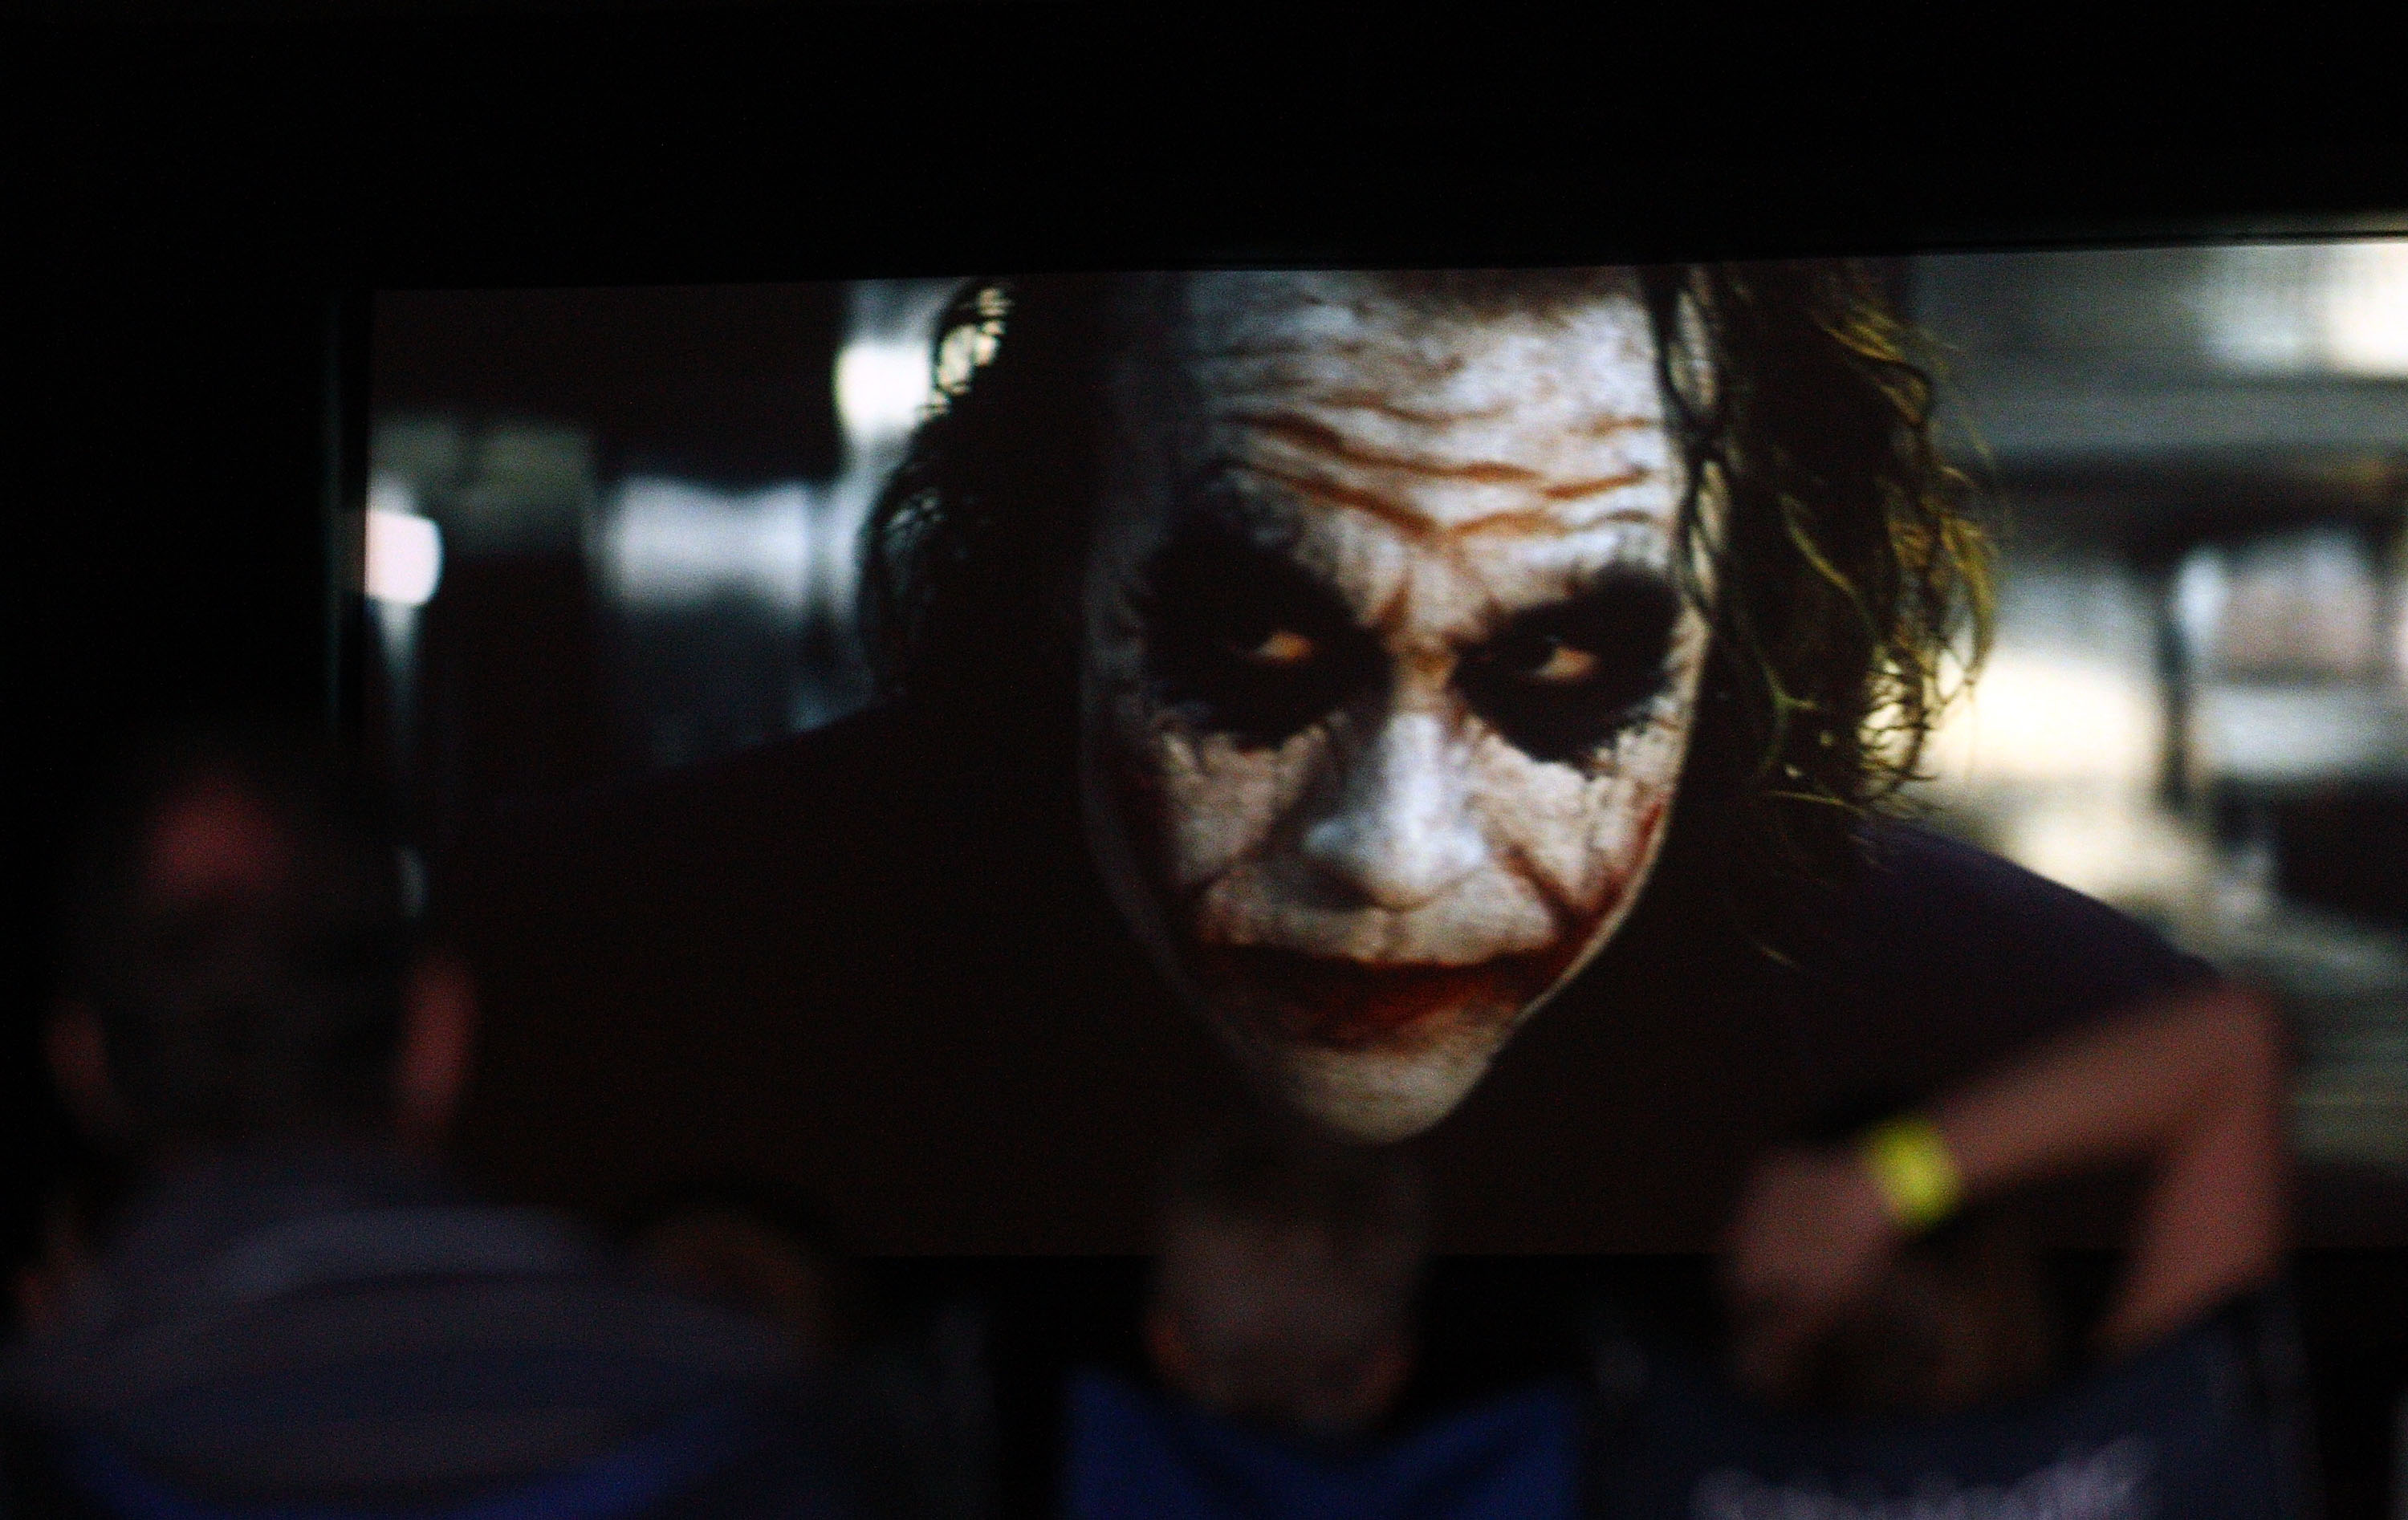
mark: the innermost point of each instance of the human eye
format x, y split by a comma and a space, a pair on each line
1558, 680
1545, 659
1246, 640
1280, 649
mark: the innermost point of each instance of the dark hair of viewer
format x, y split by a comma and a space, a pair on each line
1287, 1271
253, 1011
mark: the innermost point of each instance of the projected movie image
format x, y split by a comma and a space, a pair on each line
1387, 677
940, 742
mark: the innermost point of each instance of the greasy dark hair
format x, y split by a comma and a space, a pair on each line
1843, 573
250, 1013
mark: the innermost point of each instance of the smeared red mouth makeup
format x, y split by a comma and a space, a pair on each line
1342, 1004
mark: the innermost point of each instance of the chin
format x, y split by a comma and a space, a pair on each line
1377, 1096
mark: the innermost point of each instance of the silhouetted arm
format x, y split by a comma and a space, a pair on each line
2191, 1087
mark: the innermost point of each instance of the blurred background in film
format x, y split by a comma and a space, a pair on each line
615, 530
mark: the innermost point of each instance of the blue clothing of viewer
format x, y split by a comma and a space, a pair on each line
1135, 1454
330, 1333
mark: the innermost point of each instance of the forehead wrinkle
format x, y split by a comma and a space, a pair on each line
1503, 522
1330, 452
1541, 521
1329, 375
1250, 322
1347, 498
1382, 390
1345, 399
1276, 352
1289, 313
1311, 436
1375, 574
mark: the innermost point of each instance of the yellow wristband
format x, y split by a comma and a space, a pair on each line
1912, 1169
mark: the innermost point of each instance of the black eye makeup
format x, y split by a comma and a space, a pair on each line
1561, 680
1250, 641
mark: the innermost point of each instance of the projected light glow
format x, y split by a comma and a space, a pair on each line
2366, 310
673, 543
2043, 716
403, 549
2399, 634
881, 385
2311, 309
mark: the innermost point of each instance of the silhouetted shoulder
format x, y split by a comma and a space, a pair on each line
1951, 959
1959, 914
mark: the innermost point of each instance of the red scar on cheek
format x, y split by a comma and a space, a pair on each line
1340, 1004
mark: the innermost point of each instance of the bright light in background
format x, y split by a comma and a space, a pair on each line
2055, 751
2310, 308
884, 384
403, 549
2035, 717
2366, 310
2059, 754
669, 543
2305, 605
401, 565
779, 562
2202, 589
2107, 844
881, 385
2400, 621
2300, 732
885, 371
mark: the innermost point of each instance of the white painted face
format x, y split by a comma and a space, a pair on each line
1386, 682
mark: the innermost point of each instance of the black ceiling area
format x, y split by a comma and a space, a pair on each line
421, 145
730, 381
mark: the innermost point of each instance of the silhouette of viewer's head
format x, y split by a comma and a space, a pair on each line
241, 961
1283, 1294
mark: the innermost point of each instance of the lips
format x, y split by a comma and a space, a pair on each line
1351, 1004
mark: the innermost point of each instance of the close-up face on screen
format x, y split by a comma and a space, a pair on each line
1387, 668
1322, 663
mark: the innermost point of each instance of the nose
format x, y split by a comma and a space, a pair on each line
1400, 834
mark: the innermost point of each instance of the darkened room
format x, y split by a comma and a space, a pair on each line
511, 393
